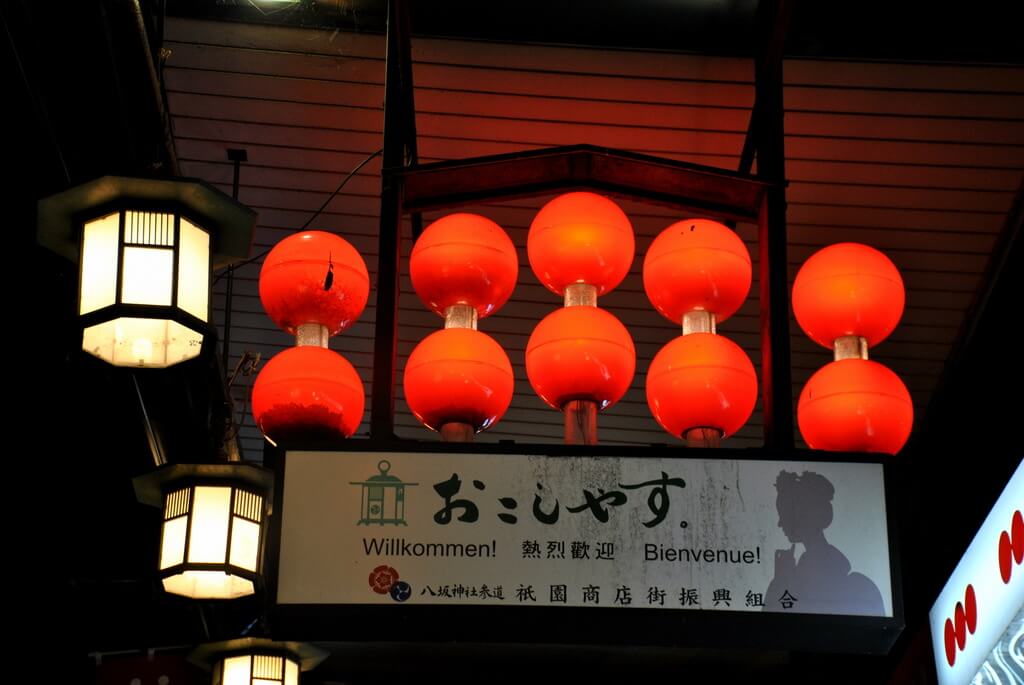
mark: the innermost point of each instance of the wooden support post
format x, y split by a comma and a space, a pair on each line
397, 134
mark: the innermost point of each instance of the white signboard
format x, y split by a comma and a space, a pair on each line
486, 529
984, 594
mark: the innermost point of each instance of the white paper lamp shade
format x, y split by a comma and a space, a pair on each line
210, 544
144, 289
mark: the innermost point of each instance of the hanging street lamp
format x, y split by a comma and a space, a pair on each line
213, 526
257, 661
145, 248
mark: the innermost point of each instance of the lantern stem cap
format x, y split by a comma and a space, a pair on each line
460, 316
311, 335
698, 321
850, 347
580, 295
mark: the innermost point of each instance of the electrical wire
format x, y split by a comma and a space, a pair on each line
337, 190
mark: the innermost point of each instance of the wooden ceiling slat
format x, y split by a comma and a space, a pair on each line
904, 76
367, 182
338, 151
923, 104
541, 133
869, 126
336, 70
462, 102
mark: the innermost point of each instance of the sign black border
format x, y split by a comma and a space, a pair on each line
578, 625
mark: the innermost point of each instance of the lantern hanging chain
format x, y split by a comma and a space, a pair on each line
337, 190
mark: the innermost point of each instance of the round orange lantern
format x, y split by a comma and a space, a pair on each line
848, 289
308, 393
464, 259
855, 405
580, 353
697, 264
701, 380
580, 238
314, 277
458, 375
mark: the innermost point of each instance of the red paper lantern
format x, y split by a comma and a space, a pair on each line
848, 289
464, 259
580, 238
701, 380
308, 393
314, 277
458, 375
697, 264
855, 405
580, 353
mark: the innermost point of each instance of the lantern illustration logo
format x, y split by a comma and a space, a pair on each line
383, 498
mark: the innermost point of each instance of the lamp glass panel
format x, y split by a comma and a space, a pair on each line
147, 275
194, 270
183, 343
172, 548
291, 673
211, 513
142, 343
245, 543
208, 585
99, 264
237, 670
99, 340
128, 342
267, 670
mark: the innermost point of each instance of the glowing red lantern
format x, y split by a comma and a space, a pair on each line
580, 238
580, 353
697, 264
855, 405
308, 393
458, 375
701, 380
314, 277
848, 289
464, 259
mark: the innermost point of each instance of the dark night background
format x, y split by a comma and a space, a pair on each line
79, 105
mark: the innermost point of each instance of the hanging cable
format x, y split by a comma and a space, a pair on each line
337, 190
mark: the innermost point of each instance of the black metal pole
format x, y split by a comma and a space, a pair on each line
156, 446
408, 104
397, 94
237, 156
768, 131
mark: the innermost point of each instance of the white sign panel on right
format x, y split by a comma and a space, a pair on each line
985, 592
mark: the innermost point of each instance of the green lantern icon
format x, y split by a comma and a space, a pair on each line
383, 498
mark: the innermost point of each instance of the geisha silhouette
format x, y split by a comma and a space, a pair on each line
820, 581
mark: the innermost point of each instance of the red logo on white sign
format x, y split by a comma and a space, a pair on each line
1011, 547
964, 621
